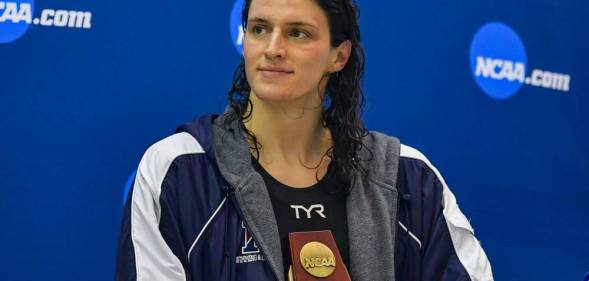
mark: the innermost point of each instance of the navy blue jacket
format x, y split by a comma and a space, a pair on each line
198, 211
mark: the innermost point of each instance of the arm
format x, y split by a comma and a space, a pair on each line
143, 252
439, 241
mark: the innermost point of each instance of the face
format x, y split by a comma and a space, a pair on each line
287, 50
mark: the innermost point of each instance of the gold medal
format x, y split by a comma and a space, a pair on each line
315, 256
317, 259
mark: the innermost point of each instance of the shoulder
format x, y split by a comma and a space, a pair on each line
173, 146
420, 179
417, 173
158, 158
405, 166
391, 158
379, 142
379, 156
414, 161
388, 148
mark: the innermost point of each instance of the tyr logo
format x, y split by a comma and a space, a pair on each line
249, 244
317, 207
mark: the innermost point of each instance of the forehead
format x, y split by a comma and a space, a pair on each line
285, 11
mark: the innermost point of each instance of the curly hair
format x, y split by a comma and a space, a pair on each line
344, 99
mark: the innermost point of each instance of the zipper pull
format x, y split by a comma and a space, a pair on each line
228, 189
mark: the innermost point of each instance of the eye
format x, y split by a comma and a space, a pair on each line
258, 29
297, 33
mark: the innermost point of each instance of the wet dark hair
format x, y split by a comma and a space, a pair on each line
344, 99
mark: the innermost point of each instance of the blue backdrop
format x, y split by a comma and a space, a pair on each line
496, 93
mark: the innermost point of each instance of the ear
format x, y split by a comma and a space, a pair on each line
341, 56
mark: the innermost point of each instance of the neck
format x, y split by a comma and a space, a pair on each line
290, 133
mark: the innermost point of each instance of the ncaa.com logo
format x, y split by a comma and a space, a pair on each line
499, 64
16, 16
236, 27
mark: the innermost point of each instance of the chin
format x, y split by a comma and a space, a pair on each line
272, 94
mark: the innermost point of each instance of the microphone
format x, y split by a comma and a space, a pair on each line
315, 256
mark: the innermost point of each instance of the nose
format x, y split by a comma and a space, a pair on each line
275, 48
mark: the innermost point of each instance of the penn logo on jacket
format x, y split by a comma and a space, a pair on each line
249, 250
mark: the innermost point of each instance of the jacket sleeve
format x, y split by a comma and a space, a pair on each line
143, 252
442, 242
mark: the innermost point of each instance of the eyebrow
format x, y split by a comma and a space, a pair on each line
293, 23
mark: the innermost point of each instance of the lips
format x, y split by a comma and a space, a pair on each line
273, 72
275, 69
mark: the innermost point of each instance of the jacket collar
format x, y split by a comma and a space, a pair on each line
234, 161
371, 204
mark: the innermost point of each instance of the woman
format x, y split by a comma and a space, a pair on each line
216, 200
